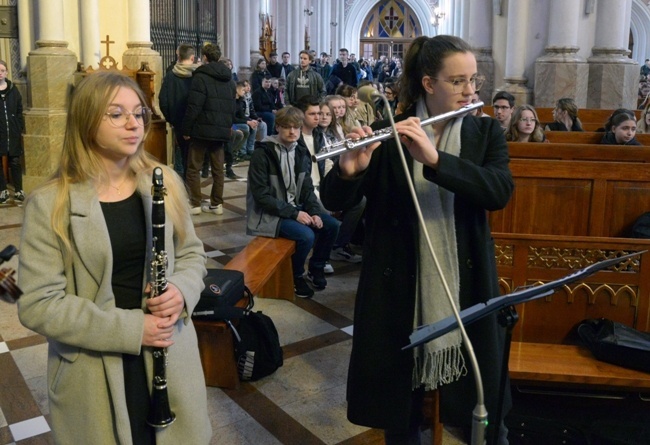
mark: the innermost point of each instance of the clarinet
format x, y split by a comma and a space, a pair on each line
160, 414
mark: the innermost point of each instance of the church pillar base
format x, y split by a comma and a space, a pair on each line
561, 73
485, 66
42, 142
613, 80
50, 70
139, 52
517, 87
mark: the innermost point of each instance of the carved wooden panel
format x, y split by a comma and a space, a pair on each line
621, 293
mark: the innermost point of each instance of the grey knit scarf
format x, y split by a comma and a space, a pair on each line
439, 361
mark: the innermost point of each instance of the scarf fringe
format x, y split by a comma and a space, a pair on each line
439, 368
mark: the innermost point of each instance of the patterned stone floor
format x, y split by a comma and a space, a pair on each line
302, 403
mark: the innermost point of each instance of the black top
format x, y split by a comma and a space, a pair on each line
559, 126
126, 228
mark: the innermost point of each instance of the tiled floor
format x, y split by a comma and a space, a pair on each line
302, 403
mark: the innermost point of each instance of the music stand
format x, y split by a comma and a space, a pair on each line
507, 316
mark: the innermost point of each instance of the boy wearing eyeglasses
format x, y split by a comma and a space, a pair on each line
503, 104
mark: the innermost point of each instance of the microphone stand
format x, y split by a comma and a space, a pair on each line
479, 414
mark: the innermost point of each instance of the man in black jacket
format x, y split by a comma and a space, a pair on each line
208, 126
173, 102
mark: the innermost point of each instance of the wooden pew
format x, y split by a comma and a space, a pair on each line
590, 115
266, 264
575, 197
586, 137
579, 152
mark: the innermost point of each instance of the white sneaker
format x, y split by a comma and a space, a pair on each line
328, 269
217, 210
345, 254
195, 210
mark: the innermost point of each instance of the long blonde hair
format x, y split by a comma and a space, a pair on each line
81, 163
512, 134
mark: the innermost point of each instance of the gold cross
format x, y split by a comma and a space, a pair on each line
107, 42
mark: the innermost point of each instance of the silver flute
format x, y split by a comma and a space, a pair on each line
341, 147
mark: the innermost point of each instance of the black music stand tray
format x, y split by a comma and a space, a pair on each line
507, 316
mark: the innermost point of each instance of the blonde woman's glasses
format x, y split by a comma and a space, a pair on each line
119, 117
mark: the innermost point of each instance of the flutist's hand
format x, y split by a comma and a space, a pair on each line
354, 162
416, 141
167, 306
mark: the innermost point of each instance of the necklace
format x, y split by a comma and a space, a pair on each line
117, 188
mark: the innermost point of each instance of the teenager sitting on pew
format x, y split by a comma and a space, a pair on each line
622, 130
565, 115
525, 126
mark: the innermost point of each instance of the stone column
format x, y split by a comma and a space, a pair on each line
298, 39
90, 39
250, 20
246, 36
560, 72
25, 31
480, 37
515, 82
613, 76
50, 69
139, 45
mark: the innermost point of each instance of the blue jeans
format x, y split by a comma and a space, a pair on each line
249, 139
269, 118
307, 237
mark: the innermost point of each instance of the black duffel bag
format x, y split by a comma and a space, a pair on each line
616, 343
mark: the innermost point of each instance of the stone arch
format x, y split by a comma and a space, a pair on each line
359, 10
640, 27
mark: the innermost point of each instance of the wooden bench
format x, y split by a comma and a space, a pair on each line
571, 366
586, 115
266, 264
586, 137
558, 151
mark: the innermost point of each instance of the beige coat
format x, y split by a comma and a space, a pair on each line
74, 308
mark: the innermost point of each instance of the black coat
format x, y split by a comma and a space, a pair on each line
264, 101
11, 119
380, 375
173, 98
210, 104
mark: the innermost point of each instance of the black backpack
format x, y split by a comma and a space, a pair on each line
257, 346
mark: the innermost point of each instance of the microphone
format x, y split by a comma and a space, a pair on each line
368, 93
480, 415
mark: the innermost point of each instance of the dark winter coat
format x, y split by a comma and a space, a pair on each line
380, 373
264, 101
210, 104
257, 77
609, 138
174, 92
347, 73
12, 121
